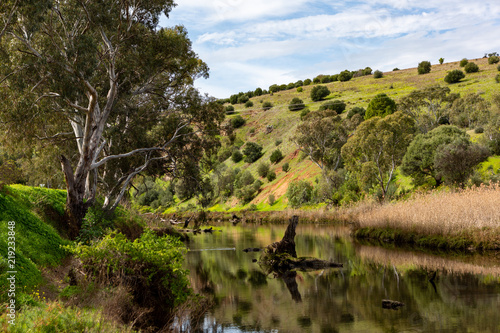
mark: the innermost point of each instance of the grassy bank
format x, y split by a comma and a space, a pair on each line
464, 219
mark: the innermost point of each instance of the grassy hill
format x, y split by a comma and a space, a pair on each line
356, 92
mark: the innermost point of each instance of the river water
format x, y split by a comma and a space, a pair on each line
464, 295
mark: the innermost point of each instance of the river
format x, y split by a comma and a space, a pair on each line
463, 296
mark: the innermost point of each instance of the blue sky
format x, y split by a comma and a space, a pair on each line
257, 43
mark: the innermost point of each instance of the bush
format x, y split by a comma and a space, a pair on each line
299, 193
236, 156
497, 78
498, 68
267, 105
424, 67
441, 60
493, 60
243, 99
238, 121
263, 169
299, 83
224, 154
337, 105
395, 69
296, 104
471, 68
271, 200
229, 109
271, 176
319, 92
356, 110
344, 76
276, 156
381, 106
367, 71
300, 89
285, 167
252, 151
304, 113
248, 104
454, 76
479, 130
378, 74
307, 82
463, 62
278, 142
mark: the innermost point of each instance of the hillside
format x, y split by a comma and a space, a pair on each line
356, 92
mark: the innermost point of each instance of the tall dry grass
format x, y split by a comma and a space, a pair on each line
446, 213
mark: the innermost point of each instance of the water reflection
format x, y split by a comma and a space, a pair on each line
465, 295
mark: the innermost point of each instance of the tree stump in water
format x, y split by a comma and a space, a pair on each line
287, 244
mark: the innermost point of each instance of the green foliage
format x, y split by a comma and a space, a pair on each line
418, 161
356, 110
285, 167
267, 105
424, 67
258, 92
471, 68
497, 78
493, 59
271, 199
238, 121
296, 104
395, 69
223, 154
344, 76
304, 113
441, 60
319, 92
263, 169
380, 106
271, 176
367, 71
463, 62
236, 156
150, 193
455, 161
9, 173
247, 186
252, 152
299, 193
337, 105
469, 111
300, 89
95, 225
498, 68
243, 99
307, 82
276, 156
229, 109
248, 104
378, 74
454, 76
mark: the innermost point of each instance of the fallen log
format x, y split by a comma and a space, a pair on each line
392, 305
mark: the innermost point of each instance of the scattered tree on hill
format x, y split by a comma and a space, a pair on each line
429, 107
380, 106
319, 92
85, 81
276, 156
424, 67
285, 167
321, 136
252, 151
471, 68
236, 156
248, 104
356, 110
493, 59
367, 71
377, 148
441, 60
378, 74
464, 62
470, 111
258, 92
337, 105
418, 161
307, 82
238, 121
344, 76
267, 105
263, 169
229, 109
271, 176
296, 104
454, 76
299, 193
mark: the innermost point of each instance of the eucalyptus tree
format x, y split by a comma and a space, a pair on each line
103, 78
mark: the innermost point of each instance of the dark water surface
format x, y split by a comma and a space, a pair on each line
464, 296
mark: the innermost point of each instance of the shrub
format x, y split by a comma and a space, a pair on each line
252, 151
367, 71
463, 62
258, 92
497, 78
236, 156
454, 76
263, 169
498, 68
299, 83
271, 200
224, 154
381, 106
326, 79
300, 89
248, 104
285, 167
277, 142
304, 113
243, 99
378, 74
493, 60
479, 130
319, 92
471, 68
296, 104
395, 69
276, 156
238, 121
307, 82
229, 109
441, 60
424, 67
344, 76
271, 176
299, 193
356, 110
336, 105
267, 105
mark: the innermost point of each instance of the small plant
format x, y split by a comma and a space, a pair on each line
304, 113
248, 104
285, 167
479, 130
493, 59
238, 121
471, 68
337, 105
441, 60
263, 169
236, 156
454, 76
267, 105
300, 89
229, 109
271, 200
463, 62
378, 74
276, 156
271, 176
319, 92
296, 104
424, 67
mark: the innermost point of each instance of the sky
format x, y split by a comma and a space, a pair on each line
257, 43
